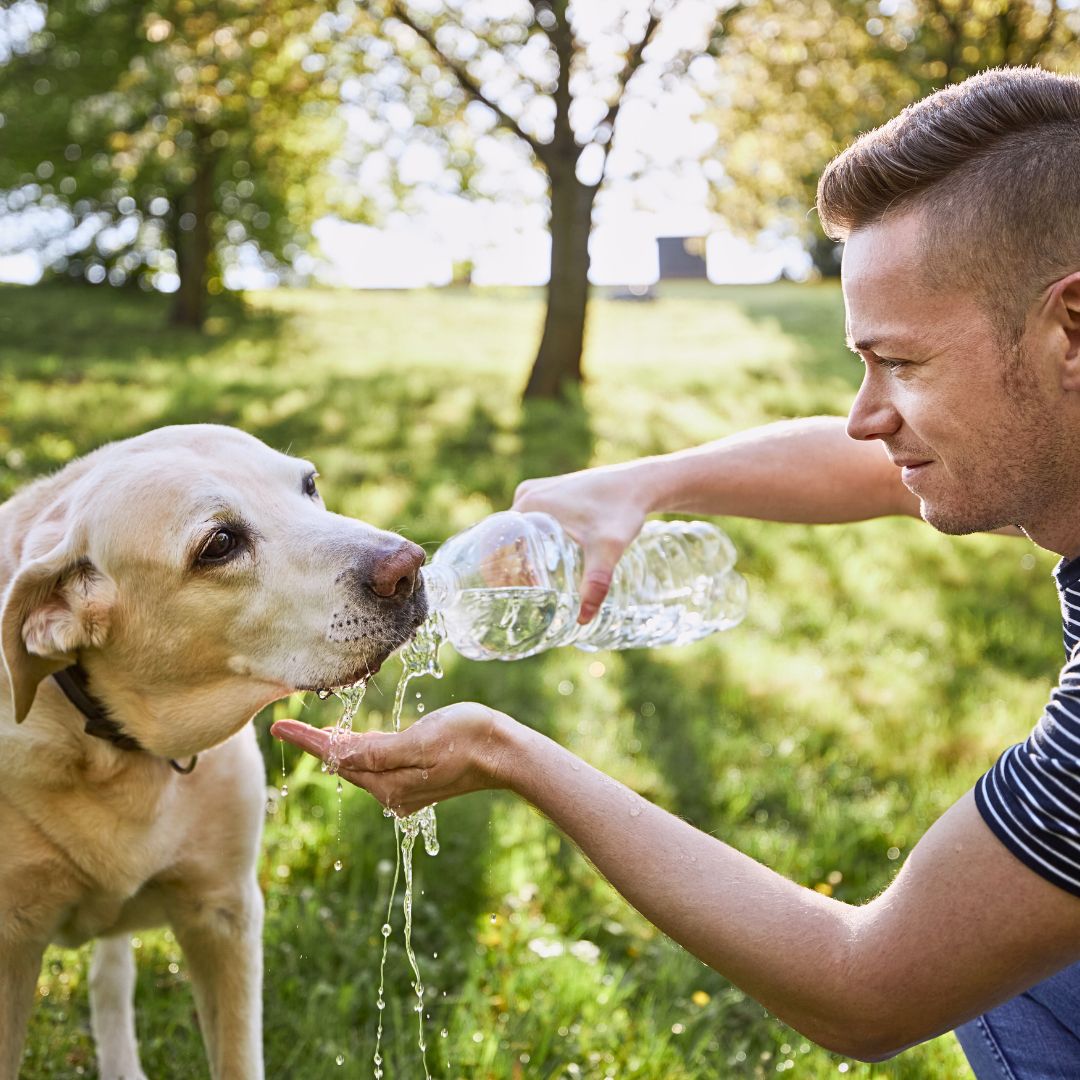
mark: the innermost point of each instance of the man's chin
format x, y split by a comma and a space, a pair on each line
955, 523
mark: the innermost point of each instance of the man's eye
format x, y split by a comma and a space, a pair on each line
309, 486
220, 546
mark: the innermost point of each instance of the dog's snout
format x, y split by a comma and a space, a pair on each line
395, 572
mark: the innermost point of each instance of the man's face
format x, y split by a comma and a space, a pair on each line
979, 430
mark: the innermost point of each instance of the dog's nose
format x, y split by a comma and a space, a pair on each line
395, 572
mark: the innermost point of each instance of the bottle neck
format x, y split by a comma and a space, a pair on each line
441, 586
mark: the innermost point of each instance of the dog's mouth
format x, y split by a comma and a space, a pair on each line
405, 623
356, 679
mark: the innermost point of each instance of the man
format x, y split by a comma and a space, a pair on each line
961, 282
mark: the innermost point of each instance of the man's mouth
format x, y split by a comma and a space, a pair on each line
908, 471
909, 466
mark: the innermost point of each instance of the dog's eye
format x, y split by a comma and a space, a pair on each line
220, 546
309, 486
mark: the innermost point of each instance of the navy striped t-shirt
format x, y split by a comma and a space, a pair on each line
1031, 797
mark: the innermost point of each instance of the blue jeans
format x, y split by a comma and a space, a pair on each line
1035, 1036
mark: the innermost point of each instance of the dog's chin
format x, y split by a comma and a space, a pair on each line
339, 681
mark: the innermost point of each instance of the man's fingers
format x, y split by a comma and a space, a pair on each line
596, 580
308, 738
365, 751
381, 751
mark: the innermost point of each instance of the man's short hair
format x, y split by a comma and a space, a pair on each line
993, 166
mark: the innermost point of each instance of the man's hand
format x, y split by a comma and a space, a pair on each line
449, 752
603, 509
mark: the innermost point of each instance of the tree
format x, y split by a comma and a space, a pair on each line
802, 78
171, 133
549, 76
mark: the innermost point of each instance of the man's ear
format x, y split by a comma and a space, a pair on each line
54, 606
1068, 295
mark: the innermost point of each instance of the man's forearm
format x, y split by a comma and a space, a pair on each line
806, 470
787, 946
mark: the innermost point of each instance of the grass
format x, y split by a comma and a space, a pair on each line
880, 671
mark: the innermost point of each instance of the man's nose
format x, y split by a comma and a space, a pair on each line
394, 570
873, 415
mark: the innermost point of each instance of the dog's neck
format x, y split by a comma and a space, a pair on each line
100, 723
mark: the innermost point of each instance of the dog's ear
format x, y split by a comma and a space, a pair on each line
55, 605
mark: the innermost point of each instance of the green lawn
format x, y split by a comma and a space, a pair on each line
881, 669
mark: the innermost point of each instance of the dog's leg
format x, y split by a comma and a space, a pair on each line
19, 968
112, 1010
222, 941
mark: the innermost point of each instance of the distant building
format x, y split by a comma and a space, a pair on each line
682, 257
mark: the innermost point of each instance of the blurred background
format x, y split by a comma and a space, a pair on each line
442, 247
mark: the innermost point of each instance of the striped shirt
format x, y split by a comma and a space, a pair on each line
1031, 797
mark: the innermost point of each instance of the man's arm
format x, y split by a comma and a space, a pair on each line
963, 927
805, 470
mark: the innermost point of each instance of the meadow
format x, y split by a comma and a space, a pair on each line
880, 671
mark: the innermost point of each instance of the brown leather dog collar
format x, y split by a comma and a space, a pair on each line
99, 723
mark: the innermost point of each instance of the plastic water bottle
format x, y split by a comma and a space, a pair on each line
508, 587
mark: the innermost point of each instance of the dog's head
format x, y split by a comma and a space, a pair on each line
197, 576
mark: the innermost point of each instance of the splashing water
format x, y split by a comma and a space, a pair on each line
419, 657
350, 698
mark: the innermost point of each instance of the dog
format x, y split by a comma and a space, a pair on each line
155, 595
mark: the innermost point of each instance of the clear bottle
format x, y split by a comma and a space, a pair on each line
508, 588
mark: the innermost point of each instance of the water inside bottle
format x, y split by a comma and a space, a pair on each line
507, 588
506, 623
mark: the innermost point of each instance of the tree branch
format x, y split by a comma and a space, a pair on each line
634, 59
466, 81
632, 62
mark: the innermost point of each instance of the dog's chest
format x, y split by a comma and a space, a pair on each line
98, 913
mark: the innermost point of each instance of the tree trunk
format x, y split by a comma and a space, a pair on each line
558, 362
193, 246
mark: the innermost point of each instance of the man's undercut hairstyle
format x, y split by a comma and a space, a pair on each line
992, 165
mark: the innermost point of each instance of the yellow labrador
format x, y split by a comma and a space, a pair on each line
155, 595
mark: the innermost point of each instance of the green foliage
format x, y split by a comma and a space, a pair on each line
113, 112
880, 671
802, 78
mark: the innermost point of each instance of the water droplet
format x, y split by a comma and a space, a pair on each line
323, 694
424, 774
340, 1059
635, 811
435, 956
385, 929
337, 864
284, 790
339, 787
419, 708
494, 918
444, 1033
